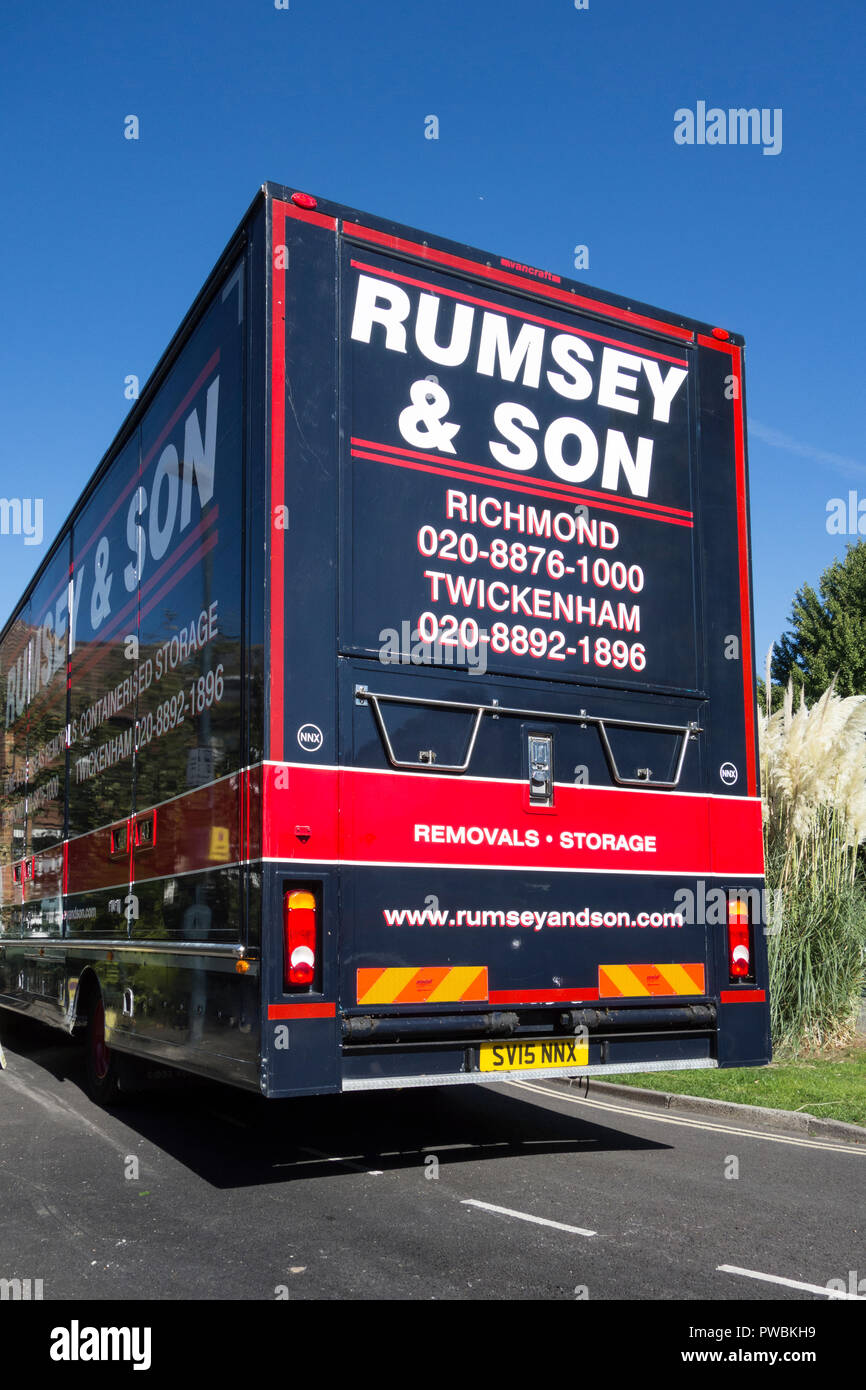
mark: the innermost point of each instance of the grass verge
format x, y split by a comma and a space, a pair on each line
829, 1085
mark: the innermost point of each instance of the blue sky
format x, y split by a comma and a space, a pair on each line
556, 129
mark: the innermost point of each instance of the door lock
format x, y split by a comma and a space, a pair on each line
540, 770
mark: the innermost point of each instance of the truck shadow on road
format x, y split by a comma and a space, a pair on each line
233, 1139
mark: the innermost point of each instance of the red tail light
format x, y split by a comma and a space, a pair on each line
299, 938
739, 940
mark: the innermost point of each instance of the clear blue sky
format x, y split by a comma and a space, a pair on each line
556, 128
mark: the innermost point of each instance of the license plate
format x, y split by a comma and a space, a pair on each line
533, 1056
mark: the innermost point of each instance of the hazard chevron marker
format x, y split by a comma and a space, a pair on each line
639, 981
424, 984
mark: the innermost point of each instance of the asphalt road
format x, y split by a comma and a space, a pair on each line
200, 1192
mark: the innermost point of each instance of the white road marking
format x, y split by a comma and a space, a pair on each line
790, 1283
334, 1158
524, 1216
689, 1123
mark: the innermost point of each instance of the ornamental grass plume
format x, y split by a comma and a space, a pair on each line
813, 777
814, 757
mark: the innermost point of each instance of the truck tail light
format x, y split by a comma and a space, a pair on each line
739, 940
299, 939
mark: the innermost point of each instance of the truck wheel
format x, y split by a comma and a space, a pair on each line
101, 1064
12, 1025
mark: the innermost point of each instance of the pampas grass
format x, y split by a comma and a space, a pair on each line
813, 775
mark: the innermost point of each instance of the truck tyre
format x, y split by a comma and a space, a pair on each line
13, 1025
100, 1062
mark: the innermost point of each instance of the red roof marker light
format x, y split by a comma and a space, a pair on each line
304, 200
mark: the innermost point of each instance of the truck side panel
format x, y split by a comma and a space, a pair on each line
162, 689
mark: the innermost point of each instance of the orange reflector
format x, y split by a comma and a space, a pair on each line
299, 900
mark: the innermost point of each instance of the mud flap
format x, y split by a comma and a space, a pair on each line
300, 1052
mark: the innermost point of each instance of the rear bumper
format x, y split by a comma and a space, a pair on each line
598, 1022
387, 1065
396, 1083
395, 1050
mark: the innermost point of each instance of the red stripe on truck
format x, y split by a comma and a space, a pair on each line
302, 1011
417, 818
504, 277
736, 356
513, 313
564, 489
357, 816
278, 480
745, 596
199, 830
491, 478
280, 211
543, 996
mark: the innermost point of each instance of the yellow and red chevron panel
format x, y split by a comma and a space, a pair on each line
642, 981
423, 984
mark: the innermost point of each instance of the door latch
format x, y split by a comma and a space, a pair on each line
540, 770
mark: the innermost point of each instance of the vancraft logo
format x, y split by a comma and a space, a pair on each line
310, 738
77, 1343
736, 126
